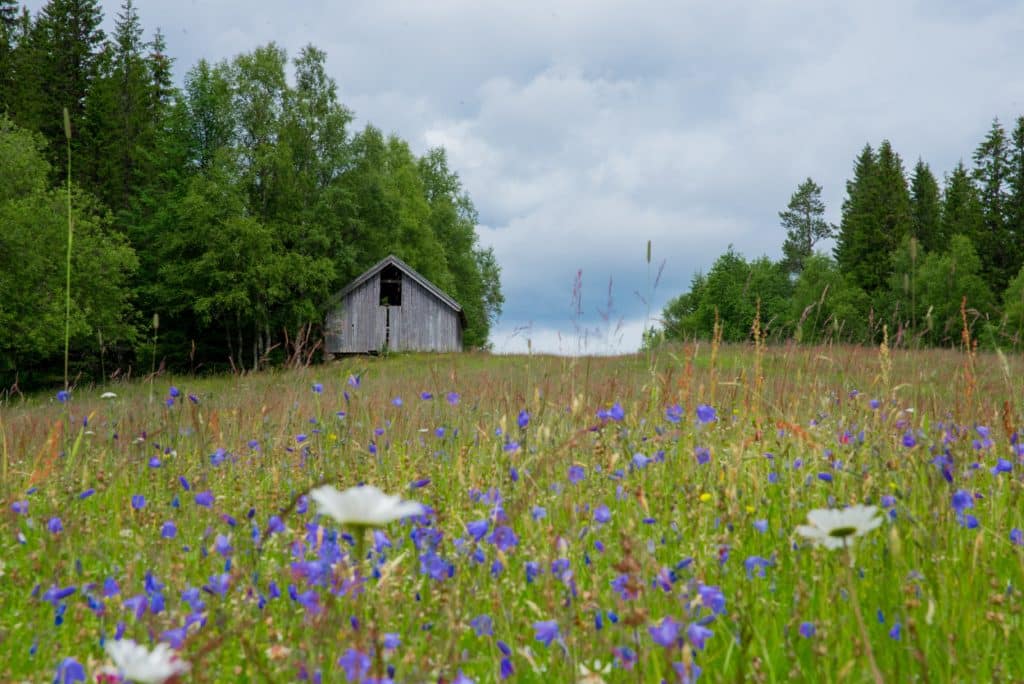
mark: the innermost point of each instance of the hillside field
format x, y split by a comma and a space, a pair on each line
588, 519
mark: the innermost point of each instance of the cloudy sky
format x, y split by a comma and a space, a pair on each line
583, 129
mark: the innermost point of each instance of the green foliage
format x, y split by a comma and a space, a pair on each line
33, 217
392, 212
943, 281
1013, 309
731, 291
804, 221
825, 307
678, 318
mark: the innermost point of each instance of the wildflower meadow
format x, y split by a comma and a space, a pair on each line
699, 513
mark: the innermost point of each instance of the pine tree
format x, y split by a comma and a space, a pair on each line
805, 225
926, 208
991, 172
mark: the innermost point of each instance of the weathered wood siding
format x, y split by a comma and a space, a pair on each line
356, 325
423, 322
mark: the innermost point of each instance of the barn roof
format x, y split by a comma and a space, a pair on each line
392, 260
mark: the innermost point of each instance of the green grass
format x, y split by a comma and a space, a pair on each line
675, 526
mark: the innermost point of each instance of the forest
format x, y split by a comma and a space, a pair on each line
210, 222
913, 263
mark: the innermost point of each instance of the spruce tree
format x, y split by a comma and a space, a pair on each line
21, 74
893, 210
862, 248
926, 208
8, 15
961, 207
876, 218
804, 221
69, 45
119, 127
8, 43
1015, 200
991, 172
859, 246
161, 78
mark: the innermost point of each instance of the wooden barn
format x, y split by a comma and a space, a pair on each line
392, 307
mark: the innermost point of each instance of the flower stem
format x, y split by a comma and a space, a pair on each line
369, 612
875, 672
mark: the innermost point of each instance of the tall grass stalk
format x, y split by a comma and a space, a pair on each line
67, 289
152, 365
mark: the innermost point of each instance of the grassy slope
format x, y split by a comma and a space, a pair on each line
785, 416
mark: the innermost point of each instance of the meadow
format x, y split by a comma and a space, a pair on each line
587, 519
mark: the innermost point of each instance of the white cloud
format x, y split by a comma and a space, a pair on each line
569, 339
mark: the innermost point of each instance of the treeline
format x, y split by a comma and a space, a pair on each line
913, 260
211, 223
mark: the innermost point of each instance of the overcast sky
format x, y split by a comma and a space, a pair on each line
582, 129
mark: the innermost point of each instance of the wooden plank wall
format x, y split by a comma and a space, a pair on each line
356, 325
423, 322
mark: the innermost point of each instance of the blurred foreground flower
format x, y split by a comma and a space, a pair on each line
137, 663
364, 506
593, 673
69, 671
832, 528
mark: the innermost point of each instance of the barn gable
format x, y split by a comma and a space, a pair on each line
391, 306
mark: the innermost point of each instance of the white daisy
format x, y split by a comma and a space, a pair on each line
835, 528
364, 506
142, 666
